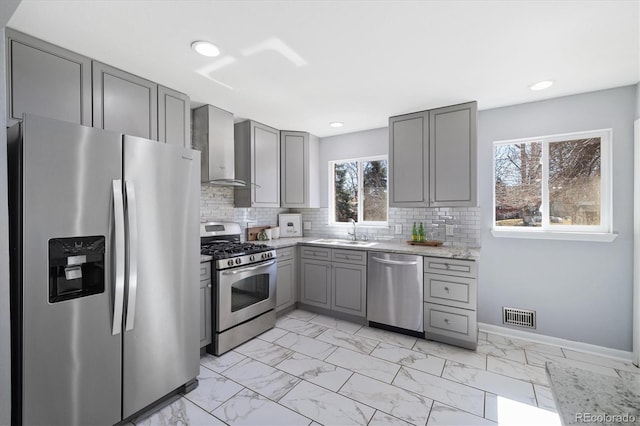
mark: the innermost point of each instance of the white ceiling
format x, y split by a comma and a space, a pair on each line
299, 65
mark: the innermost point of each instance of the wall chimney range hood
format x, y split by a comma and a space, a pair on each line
213, 136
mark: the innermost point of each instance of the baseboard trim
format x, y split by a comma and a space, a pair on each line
556, 341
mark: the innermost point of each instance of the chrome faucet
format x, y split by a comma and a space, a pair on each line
353, 234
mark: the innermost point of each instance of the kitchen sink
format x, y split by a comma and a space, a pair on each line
346, 243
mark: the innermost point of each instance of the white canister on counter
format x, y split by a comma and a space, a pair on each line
275, 232
268, 232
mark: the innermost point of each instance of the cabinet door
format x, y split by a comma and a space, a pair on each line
408, 160
46, 80
453, 158
174, 117
349, 288
294, 169
285, 294
266, 166
205, 313
316, 283
124, 103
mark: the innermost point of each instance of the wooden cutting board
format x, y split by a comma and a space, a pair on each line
252, 233
425, 243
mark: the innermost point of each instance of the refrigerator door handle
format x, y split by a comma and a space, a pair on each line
118, 215
132, 254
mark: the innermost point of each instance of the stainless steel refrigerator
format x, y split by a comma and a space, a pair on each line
104, 272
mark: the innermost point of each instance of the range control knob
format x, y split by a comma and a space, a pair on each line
230, 262
238, 260
252, 258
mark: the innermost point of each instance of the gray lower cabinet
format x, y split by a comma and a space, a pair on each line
286, 278
46, 80
205, 304
124, 103
174, 117
299, 172
257, 162
450, 301
433, 158
334, 279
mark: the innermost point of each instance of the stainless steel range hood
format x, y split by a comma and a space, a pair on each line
213, 136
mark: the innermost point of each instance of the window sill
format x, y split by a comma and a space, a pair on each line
555, 235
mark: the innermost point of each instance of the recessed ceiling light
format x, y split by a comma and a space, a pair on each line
541, 85
336, 124
205, 48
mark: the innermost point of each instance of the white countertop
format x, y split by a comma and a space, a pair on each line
579, 393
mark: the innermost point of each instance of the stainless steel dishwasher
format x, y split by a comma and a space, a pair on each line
394, 290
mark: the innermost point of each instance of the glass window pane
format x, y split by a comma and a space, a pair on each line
518, 184
346, 191
374, 198
574, 182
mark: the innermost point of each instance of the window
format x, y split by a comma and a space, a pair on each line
358, 191
553, 184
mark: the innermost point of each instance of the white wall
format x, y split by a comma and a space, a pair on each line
581, 291
7, 7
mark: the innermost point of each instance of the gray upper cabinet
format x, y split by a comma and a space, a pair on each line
124, 103
257, 162
452, 156
174, 117
46, 80
408, 154
433, 158
299, 173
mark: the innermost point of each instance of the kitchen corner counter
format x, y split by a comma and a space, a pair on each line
388, 247
205, 258
584, 396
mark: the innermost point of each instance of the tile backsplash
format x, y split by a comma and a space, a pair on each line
216, 203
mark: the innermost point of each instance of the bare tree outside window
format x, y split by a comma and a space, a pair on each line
360, 190
553, 182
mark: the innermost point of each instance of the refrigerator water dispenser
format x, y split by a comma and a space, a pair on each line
76, 267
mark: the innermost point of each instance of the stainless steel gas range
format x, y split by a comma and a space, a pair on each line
244, 285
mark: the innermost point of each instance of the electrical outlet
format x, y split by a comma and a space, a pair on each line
307, 225
449, 230
398, 228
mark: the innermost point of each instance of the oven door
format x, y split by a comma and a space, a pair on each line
244, 293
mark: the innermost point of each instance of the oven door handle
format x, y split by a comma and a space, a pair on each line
253, 268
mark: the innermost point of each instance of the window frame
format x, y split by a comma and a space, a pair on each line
602, 232
332, 191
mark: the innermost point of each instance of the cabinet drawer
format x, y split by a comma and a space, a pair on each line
451, 322
285, 253
447, 290
316, 253
349, 256
205, 271
461, 268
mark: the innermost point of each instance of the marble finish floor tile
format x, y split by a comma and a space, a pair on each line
389, 337
326, 407
446, 391
301, 327
337, 324
213, 390
261, 378
500, 350
348, 341
180, 412
383, 419
250, 408
221, 363
273, 334
306, 345
301, 315
264, 351
517, 370
393, 400
315, 371
601, 360
506, 411
442, 414
417, 360
366, 365
545, 398
524, 344
539, 359
460, 355
491, 382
